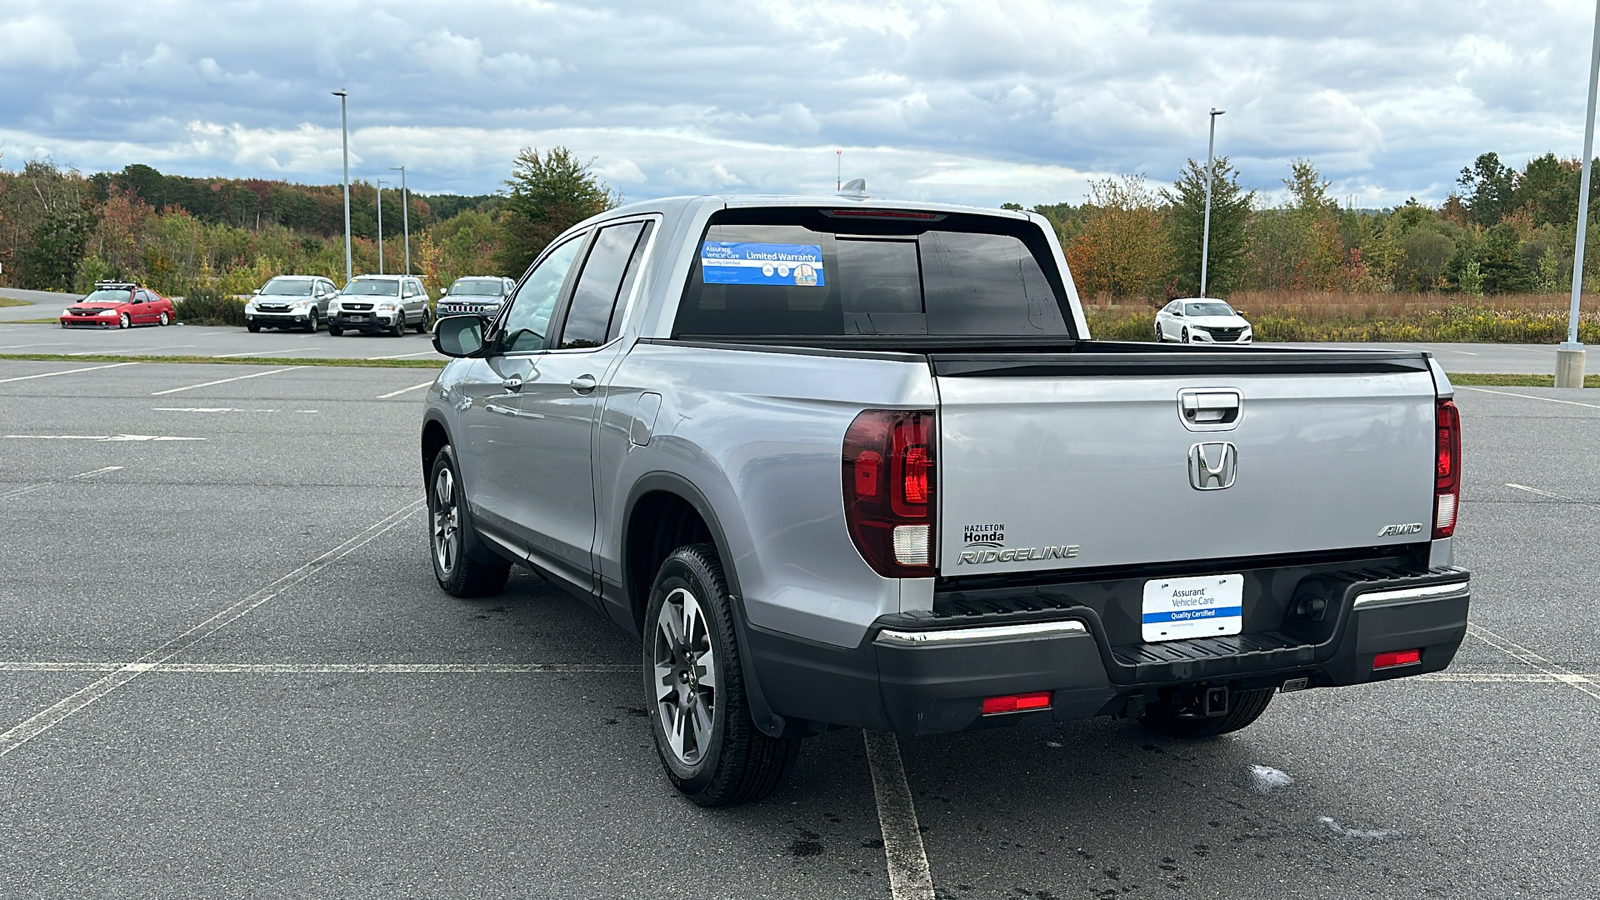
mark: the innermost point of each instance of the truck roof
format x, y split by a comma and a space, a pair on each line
671, 205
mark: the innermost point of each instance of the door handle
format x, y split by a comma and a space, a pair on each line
584, 384
512, 383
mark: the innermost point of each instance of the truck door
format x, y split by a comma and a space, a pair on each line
561, 396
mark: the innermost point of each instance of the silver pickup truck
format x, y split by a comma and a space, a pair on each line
844, 462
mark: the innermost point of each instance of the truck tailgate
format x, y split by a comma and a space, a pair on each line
1069, 461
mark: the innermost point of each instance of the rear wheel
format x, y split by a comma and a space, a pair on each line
707, 742
1244, 707
459, 571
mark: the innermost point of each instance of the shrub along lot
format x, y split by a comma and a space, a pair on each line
1339, 316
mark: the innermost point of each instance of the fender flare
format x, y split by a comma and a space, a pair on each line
770, 723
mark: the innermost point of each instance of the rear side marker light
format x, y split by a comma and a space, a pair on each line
1395, 658
1011, 703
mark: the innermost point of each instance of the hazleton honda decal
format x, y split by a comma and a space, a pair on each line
1021, 554
991, 535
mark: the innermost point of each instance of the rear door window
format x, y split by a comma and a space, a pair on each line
594, 299
821, 275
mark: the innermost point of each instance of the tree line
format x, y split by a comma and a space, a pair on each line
1504, 231
63, 230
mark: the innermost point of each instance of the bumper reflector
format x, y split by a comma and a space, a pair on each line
1016, 703
1396, 658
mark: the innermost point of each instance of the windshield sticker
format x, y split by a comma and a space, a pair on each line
729, 262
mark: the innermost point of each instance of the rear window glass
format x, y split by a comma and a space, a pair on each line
804, 272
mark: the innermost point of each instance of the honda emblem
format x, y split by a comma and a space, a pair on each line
1213, 465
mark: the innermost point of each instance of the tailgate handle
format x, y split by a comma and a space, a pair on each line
1209, 407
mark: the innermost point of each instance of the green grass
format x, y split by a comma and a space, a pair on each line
1498, 380
9, 301
238, 361
1452, 324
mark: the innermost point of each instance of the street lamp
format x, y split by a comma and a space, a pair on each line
1205, 239
344, 128
405, 214
1569, 356
378, 183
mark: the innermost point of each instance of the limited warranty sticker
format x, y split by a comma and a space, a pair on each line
1207, 606
731, 262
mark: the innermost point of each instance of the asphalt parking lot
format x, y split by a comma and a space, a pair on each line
225, 670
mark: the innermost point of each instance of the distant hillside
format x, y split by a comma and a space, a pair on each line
254, 203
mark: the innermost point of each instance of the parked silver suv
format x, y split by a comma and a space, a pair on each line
477, 294
373, 303
289, 301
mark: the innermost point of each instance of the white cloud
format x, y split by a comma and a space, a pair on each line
36, 41
978, 101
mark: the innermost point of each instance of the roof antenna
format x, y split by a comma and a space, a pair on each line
855, 188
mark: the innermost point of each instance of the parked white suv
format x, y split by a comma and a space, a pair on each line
289, 301
372, 303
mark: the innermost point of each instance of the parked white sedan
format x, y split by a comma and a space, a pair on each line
1198, 320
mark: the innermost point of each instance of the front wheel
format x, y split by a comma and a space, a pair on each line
399, 329
253, 328
335, 329
458, 571
1183, 336
124, 321
1244, 707
694, 685
165, 319
313, 323
423, 324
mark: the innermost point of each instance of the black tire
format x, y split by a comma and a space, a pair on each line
399, 329
334, 328
732, 761
1183, 336
462, 567
423, 325
124, 321
165, 319
312, 324
1244, 707
252, 327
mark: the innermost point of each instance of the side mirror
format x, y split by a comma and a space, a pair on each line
460, 336
256, 291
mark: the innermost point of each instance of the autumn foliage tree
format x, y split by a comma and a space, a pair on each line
546, 195
1121, 250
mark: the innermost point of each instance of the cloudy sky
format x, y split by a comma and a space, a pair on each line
978, 102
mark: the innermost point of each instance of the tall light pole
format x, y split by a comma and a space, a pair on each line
405, 214
838, 167
1569, 356
378, 183
1205, 239
344, 128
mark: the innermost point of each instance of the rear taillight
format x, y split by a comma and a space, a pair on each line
1446, 469
889, 498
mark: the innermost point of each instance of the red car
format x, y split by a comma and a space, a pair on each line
117, 304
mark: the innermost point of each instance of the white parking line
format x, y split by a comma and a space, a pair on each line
406, 355
67, 372
225, 380
327, 668
39, 344
1529, 397
78, 477
128, 349
111, 438
408, 390
1509, 678
909, 878
1533, 660
207, 409
49, 718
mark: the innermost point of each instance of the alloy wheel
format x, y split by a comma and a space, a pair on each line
446, 521
685, 677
